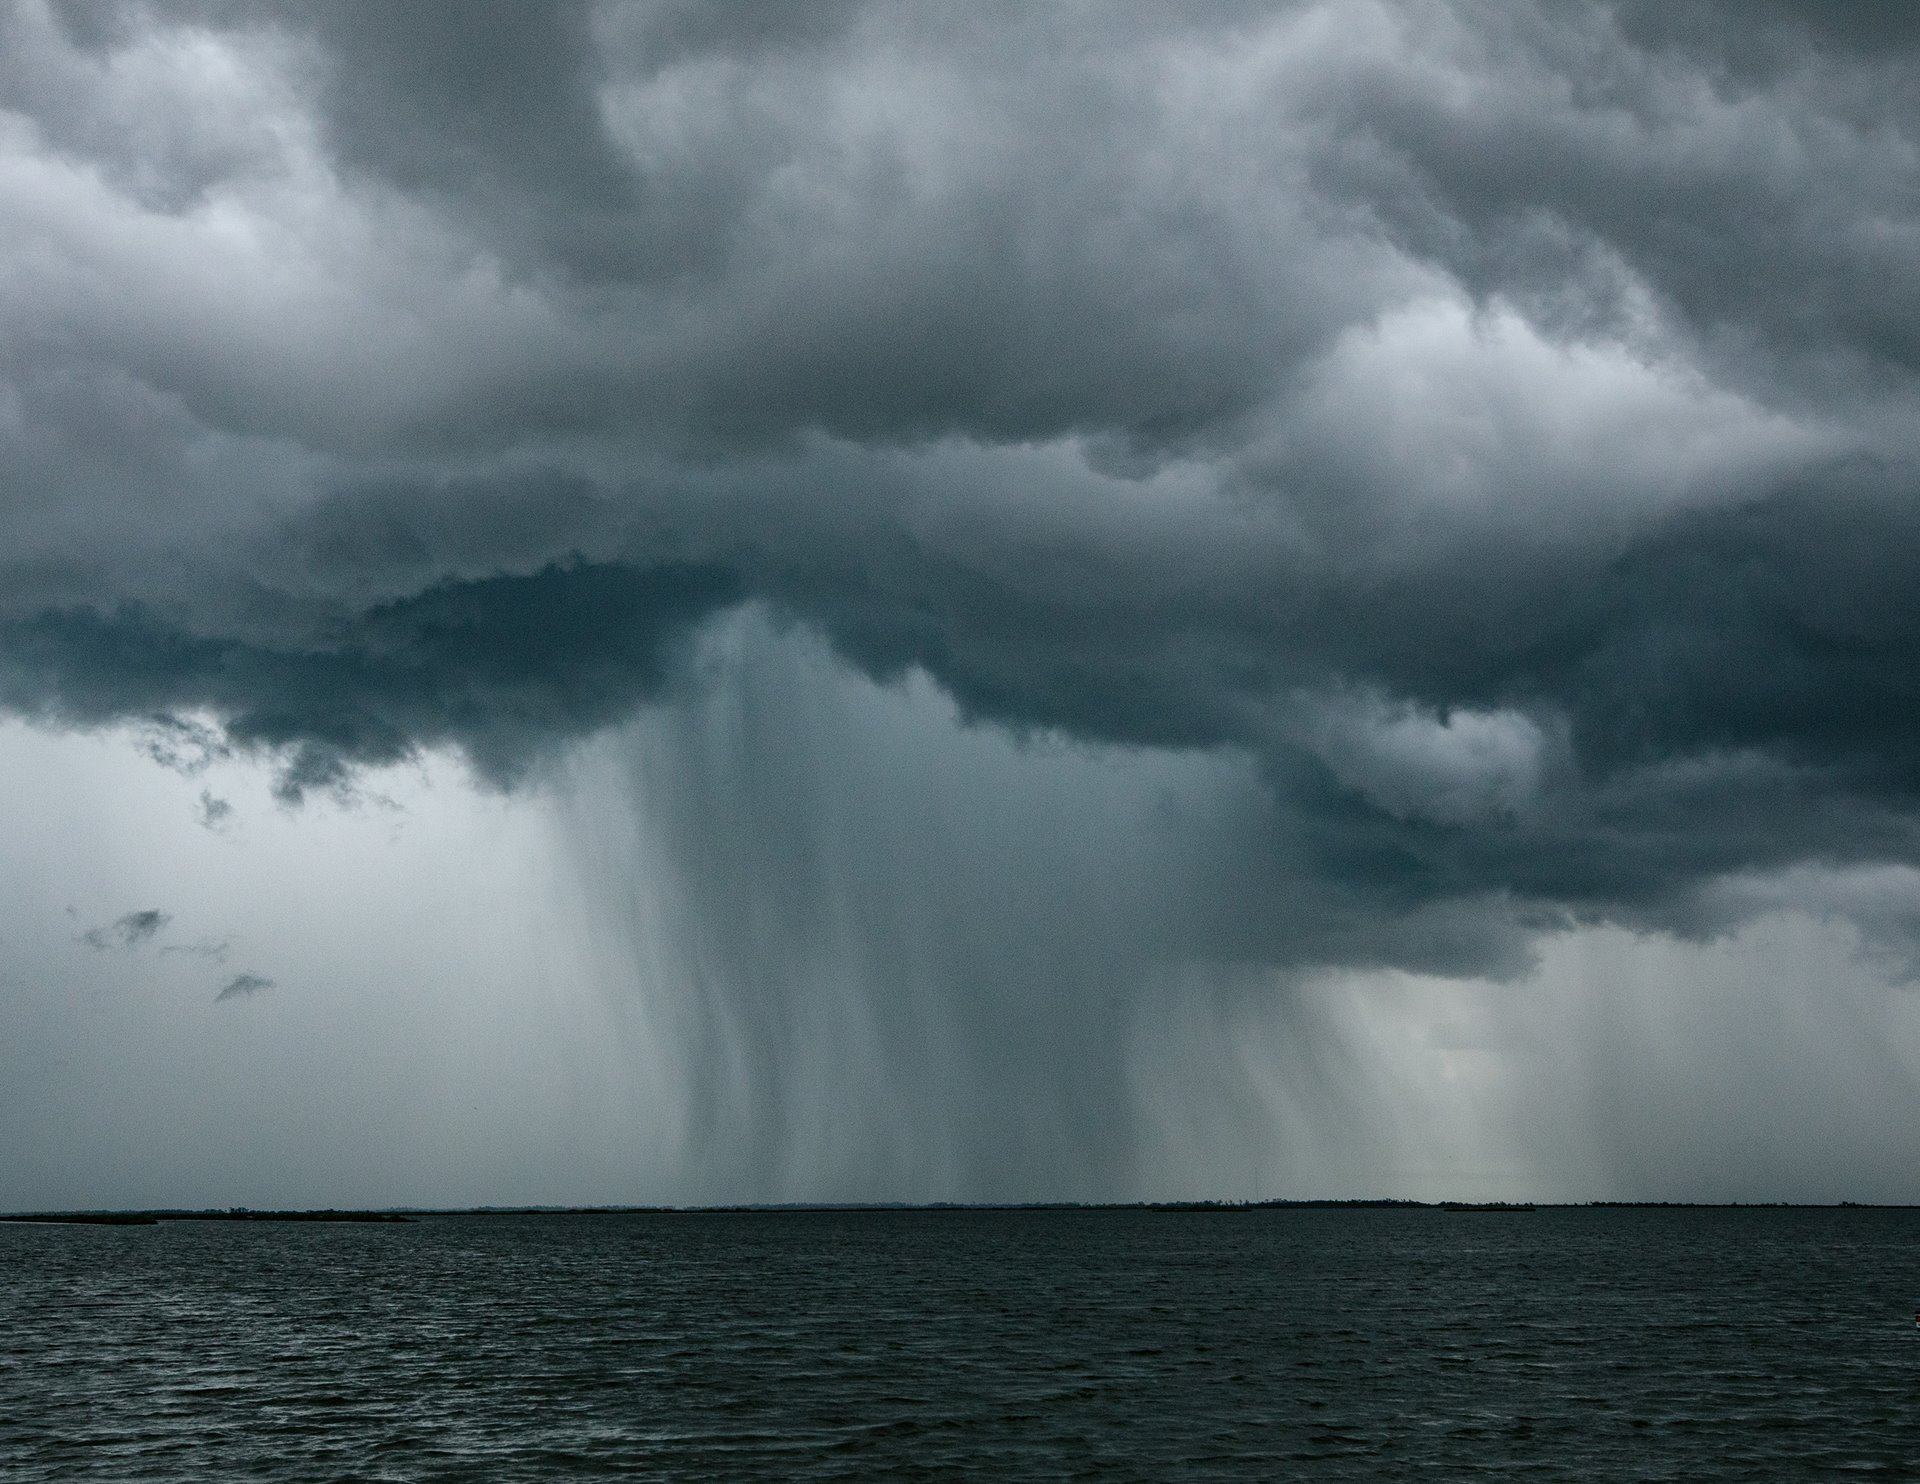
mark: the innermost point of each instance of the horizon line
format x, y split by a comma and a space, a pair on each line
155, 1214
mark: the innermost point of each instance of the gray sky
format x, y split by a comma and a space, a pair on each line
748, 601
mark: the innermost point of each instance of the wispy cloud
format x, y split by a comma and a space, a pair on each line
211, 812
134, 930
182, 744
243, 985
211, 948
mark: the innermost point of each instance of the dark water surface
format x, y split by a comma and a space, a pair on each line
1356, 1344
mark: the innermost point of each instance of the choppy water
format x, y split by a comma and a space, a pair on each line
995, 1345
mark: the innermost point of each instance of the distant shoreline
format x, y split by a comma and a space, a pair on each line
154, 1218
400, 1215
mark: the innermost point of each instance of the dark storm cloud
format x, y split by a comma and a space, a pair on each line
499, 666
1750, 166
1495, 420
133, 930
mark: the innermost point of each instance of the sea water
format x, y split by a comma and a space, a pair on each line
1683, 1344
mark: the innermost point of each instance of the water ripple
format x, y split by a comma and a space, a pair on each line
1354, 1344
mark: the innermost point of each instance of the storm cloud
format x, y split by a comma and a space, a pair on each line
1486, 427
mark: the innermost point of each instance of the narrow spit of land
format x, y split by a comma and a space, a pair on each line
154, 1218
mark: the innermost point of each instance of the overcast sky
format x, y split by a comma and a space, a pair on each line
762, 601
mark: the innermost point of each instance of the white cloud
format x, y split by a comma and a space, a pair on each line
1466, 767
